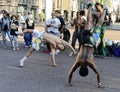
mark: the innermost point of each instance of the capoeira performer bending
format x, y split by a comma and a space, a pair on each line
54, 42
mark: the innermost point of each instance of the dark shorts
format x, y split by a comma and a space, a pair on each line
88, 37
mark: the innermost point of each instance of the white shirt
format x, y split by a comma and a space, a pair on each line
54, 22
1, 16
23, 20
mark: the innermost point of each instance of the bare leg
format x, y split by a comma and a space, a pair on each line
89, 19
53, 55
94, 68
68, 45
29, 53
74, 67
98, 42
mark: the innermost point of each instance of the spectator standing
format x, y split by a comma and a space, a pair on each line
5, 27
23, 20
102, 50
1, 16
100, 28
13, 32
75, 35
53, 25
113, 17
62, 26
30, 24
81, 26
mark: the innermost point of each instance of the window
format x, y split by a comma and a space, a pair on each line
25, 1
21, 1
32, 1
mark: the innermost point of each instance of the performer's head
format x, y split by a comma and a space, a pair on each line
82, 13
61, 47
83, 71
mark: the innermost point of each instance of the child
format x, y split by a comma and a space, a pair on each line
13, 32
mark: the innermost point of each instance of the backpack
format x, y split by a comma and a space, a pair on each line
116, 50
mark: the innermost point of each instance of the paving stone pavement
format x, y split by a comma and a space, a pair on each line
39, 76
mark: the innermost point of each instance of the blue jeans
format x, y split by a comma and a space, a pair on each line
28, 39
76, 35
4, 37
23, 29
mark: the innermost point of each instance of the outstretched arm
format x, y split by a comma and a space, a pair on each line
94, 68
68, 45
74, 67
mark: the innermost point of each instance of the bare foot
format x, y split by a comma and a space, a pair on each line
55, 65
69, 84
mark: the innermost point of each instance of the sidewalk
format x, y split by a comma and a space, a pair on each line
116, 26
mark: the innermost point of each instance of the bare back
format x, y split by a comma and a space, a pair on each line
85, 55
51, 37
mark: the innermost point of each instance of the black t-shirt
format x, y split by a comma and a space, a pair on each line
29, 24
14, 28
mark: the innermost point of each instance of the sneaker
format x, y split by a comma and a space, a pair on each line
5, 46
30, 45
103, 57
21, 64
51, 53
57, 51
71, 54
26, 46
14, 48
17, 48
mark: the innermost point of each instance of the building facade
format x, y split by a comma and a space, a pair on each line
17, 6
68, 7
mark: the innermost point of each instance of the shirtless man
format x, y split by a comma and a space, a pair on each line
54, 42
85, 56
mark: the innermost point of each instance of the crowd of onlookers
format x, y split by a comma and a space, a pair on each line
9, 26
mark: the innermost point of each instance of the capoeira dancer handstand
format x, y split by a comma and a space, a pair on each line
85, 55
54, 42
